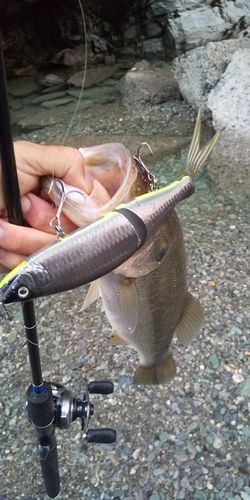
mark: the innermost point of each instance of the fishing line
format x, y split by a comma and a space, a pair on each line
84, 71
82, 87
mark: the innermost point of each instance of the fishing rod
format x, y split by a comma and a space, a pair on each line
48, 405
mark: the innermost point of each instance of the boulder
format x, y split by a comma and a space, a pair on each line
192, 28
148, 84
199, 70
229, 102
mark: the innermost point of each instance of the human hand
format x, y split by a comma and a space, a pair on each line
34, 161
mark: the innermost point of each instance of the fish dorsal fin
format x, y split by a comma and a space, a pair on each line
115, 339
156, 375
94, 292
196, 155
191, 321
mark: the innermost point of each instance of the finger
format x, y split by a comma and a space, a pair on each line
37, 160
22, 240
39, 213
9, 260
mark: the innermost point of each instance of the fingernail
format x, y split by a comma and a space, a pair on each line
26, 205
1, 233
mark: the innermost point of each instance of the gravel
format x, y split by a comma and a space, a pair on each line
186, 440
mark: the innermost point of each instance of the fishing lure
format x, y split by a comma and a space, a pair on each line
90, 252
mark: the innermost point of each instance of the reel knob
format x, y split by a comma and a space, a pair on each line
105, 435
101, 387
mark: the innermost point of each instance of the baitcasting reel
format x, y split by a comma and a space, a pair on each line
68, 409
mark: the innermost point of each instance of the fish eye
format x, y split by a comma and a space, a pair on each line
23, 292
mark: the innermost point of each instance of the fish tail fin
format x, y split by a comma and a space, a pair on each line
156, 375
197, 156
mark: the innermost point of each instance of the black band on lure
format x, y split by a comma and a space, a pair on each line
137, 223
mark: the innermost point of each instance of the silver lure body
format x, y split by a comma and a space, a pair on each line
95, 250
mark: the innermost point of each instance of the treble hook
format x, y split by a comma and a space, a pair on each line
55, 223
151, 177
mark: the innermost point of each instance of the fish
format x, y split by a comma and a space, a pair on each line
146, 299
144, 290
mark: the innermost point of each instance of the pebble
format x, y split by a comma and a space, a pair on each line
237, 378
215, 362
163, 436
244, 496
217, 443
244, 389
136, 453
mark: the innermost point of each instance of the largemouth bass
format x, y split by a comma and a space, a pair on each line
146, 299
145, 291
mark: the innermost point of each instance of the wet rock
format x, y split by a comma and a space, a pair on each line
148, 84
93, 76
56, 102
23, 86
48, 97
94, 93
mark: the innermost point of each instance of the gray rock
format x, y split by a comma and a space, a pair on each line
160, 7
148, 84
229, 102
196, 27
199, 71
234, 11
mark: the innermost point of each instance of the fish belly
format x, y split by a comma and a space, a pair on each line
145, 310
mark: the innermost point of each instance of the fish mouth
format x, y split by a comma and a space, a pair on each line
111, 176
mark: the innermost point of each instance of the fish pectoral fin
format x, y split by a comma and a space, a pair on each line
146, 259
156, 375
115, 339
191, 321
94, 292
129, 312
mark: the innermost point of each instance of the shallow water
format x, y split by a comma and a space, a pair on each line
189, 439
